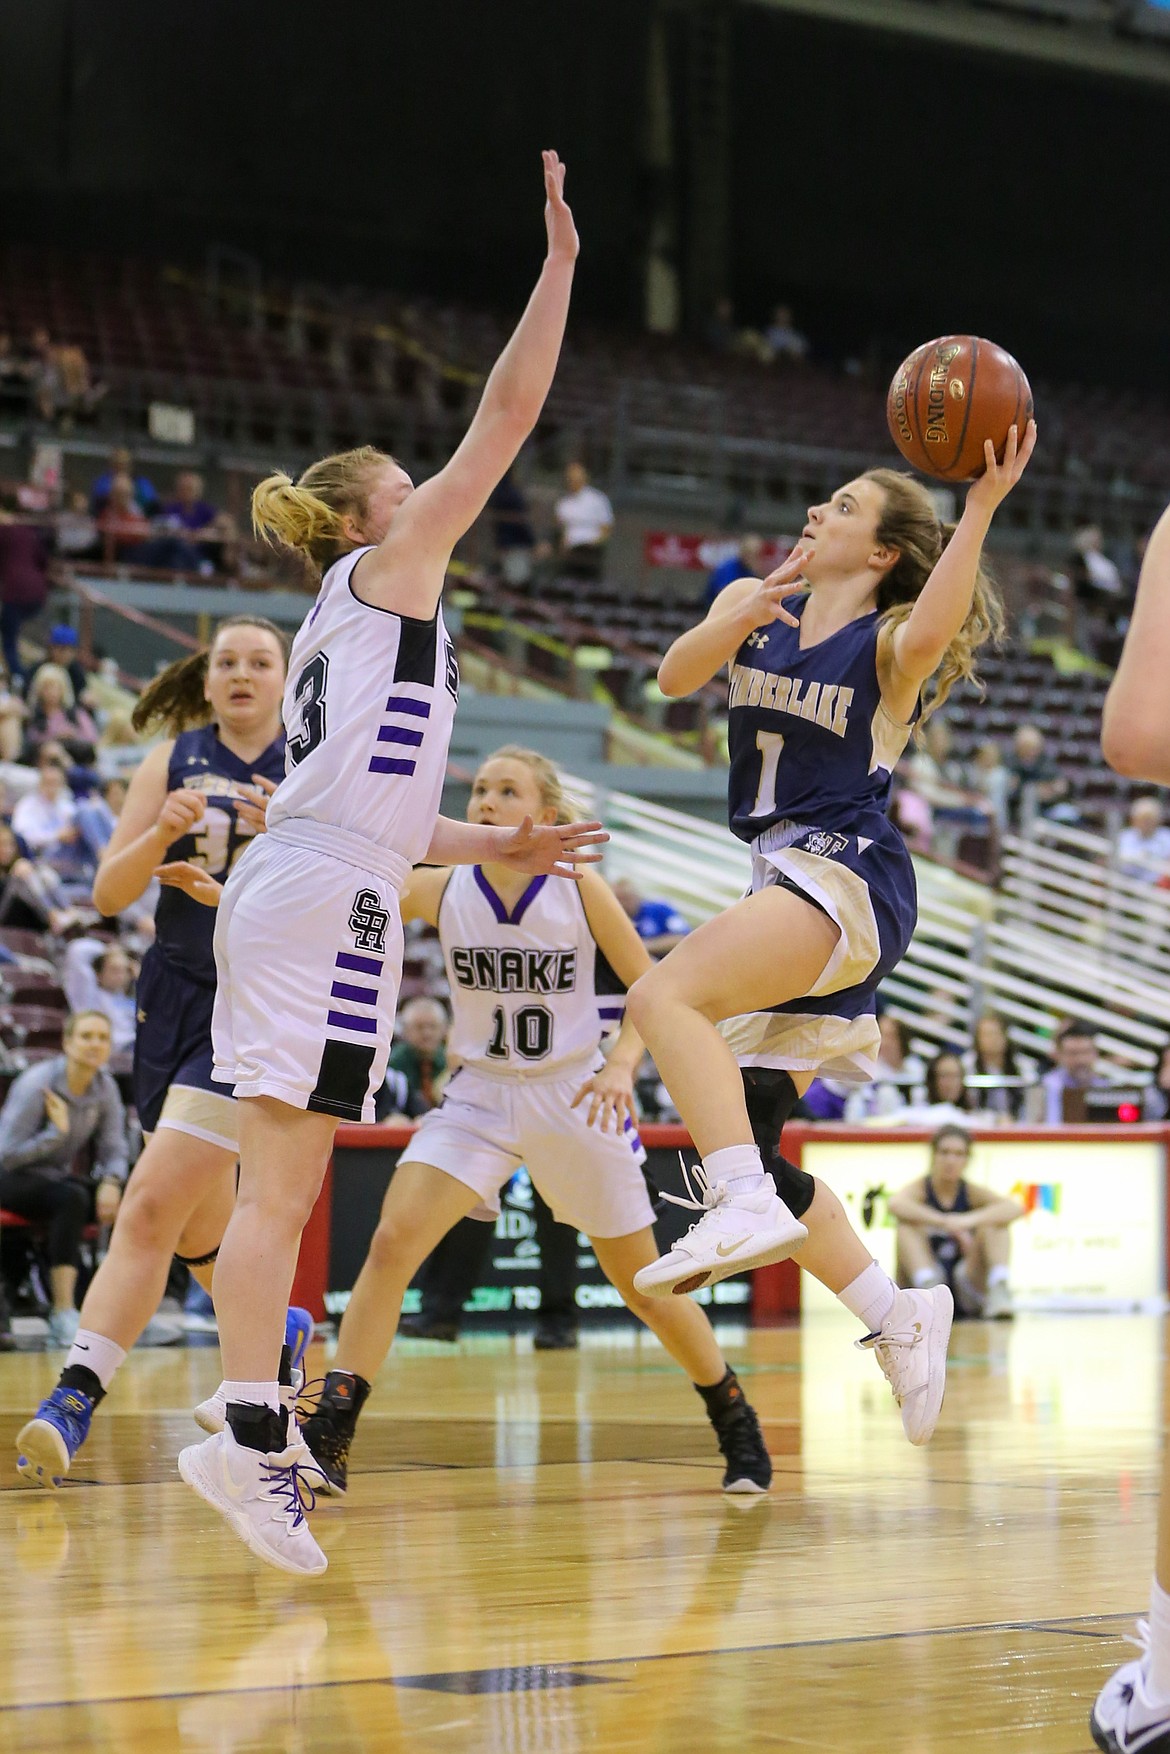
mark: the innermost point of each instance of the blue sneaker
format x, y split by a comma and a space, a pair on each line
298, 1331
51, 1439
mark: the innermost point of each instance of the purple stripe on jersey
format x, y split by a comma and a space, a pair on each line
339, 1020
390, 764
359, 964
358, 995
399, 734
611, 1010
405, 703
521, 908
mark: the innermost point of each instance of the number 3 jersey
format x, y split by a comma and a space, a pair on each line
368, 709
185, 928
809, 738
523, 989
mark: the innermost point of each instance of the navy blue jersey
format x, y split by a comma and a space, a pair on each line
184, 928
809, 738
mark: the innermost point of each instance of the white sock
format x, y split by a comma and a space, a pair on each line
997, 1276
96, 1353
255, 1394
870, 1297
739, 1167
1157, 1687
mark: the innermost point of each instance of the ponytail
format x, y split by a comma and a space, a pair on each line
176, 700
309, 515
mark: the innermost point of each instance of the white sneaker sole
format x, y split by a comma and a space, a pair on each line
745, 1489
191, 1467
940, 1336
45, 1460
675, 1277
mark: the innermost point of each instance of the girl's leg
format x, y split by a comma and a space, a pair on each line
205, 1228
181, 1192
768, 949
421, 1205
680, 1324
284, 1152
916, 1261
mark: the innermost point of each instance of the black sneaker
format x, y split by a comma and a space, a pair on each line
328, 1430
749, 1466
420, 1327
556, 1334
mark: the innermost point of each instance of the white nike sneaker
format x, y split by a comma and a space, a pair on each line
261, 1496
911, 1347
211, 1414
736, 1232
1123, 1720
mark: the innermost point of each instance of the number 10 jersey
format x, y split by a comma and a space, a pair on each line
368, 709
523, 989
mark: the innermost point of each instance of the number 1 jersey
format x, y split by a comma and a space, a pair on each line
809, 738
368, 709
523, 987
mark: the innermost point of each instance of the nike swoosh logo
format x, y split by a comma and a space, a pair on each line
229, 1480
80, 1346
730, 1248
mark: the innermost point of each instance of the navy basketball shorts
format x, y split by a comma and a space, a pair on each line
173, 1086
308, 951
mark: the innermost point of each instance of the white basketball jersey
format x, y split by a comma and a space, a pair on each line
368, 710
522, 984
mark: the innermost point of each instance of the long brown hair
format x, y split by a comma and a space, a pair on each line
309, 514
909, 523
175, 700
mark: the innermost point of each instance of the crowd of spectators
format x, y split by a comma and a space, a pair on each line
47, 380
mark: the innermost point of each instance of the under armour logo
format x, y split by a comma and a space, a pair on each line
368, 921
756, 639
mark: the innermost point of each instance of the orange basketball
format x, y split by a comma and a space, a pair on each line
948, 398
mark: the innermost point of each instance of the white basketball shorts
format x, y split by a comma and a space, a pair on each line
308, 954
486, 1127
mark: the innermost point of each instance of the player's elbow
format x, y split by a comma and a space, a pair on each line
672, 679
1131, 747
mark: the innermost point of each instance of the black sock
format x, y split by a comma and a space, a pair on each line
258, 1428
79, 1376
345, 1393
723, 1396
284, 1374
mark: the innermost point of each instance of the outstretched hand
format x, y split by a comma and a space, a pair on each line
563, 242
998, 478
192, 879
550, 849
766, 603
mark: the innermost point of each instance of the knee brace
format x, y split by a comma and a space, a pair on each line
197, 1260
771, 1097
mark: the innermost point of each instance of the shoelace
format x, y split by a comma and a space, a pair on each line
887, 1346
286, 1481
709, 1197
310, 1394
741, 1439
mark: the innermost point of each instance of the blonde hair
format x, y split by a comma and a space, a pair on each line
54, 673
909, 523
548, 780
175, 701
309, 514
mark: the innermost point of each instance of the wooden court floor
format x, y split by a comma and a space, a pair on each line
535, 1558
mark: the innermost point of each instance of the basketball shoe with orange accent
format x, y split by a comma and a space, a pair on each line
328, 1430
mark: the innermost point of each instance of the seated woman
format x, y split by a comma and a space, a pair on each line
50, 1114
55, 717
992, 1055
947, 1099
953, 1231
899, 1076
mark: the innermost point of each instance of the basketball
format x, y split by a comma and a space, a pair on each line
948, 398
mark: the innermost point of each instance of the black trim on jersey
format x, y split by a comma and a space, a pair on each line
343, 1079
418, 645
410, 620
606, 982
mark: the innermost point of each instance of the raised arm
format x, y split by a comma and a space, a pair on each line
544, 849
406, 573
919, 643
699, 654
1135, 728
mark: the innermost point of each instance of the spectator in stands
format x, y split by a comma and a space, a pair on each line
24, 583
62, 652
77, 395
204, 533
55, 717
953, 1231
100, 977
142, 488
743, 564
947, 1097
53, 1112
992, 1055
119, 750
97, 816
1036, 785
658, 923
13, 379
1059, 1096
898, 1079
783, 339
124, 526
77, 533
44, 818
936, 775
513, 538
585, 523
1143, 846
989, 778
420, 1054
44, 375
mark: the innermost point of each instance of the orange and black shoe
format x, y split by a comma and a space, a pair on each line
328, 1430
